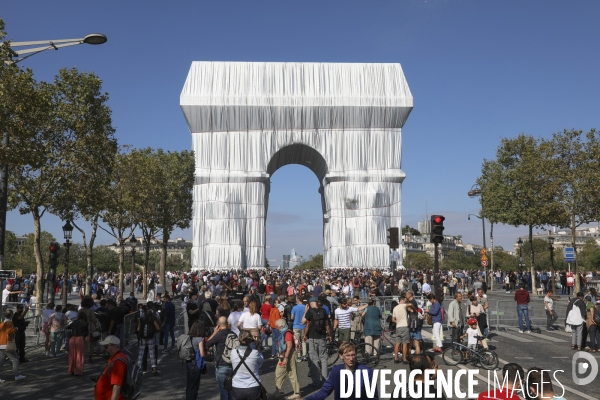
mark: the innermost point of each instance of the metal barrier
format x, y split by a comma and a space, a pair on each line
129, 329
506, 316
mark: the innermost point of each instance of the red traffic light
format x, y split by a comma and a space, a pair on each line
52, 248
438, 219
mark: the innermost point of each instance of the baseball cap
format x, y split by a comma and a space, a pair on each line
328, 291
471, 321
111, 339
313, 300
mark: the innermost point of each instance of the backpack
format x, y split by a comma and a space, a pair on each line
231, 342
287, 312
185, 348
147, 328
413, 321
319, 321
274, 316
132, 387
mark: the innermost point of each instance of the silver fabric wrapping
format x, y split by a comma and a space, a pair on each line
343, 121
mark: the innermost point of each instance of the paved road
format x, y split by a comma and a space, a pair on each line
47, 378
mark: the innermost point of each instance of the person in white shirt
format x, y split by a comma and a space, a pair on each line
426, 288
234, 318
472, 333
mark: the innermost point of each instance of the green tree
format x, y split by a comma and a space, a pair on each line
518, 189
173, 196
119, 214
105, 259
576, 168
457, 259
420, 260
314, 263
67, 148
589, 256
505, 261
407, 230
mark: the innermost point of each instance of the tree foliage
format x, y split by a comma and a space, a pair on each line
420, 260
314, 263
408, 230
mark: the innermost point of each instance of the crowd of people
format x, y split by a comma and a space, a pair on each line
232, 316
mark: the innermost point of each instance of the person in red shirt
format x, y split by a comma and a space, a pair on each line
522, 299
514, 374
108, 386
265, 312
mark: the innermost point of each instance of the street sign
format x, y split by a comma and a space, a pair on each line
8, 274
484, 258
569, 254
570, 279
484, 263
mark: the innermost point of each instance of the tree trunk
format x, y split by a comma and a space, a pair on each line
163, 257
532, 259
146, 262
576, 268
89, 253
39, 287
121, 261
90, 256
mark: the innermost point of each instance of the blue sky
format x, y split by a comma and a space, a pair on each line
478, 71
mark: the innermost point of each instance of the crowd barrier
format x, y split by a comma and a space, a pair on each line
129, 330
505, 315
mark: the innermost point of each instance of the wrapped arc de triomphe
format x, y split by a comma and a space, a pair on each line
343, 121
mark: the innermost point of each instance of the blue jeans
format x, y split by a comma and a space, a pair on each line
275, 336
168, 330
523, 309
56, 342
264, 339
221, 373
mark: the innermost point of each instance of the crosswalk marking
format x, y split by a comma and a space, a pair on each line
513, 336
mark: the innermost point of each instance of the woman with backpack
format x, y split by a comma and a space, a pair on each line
197, 333
288, 359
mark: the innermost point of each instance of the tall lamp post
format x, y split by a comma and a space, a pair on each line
484, 245
94, 38
520, 244
68, 232
551, 248
133, 242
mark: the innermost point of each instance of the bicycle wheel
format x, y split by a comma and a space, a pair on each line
332, 353
366, 354
452, 355
488, 359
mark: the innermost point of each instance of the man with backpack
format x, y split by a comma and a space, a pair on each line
147, 328
316, 331
224, 341
110, 383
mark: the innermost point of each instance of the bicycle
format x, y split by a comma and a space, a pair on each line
366, 353
454, 355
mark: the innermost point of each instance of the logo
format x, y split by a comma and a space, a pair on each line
584, 368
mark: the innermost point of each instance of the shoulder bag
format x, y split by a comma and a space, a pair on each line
228, 382
264, 395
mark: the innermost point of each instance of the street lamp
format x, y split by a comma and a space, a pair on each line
134, 242
551, 248
68, 233
520, 244
93, 38
475, 192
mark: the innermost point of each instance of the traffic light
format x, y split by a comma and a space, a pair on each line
53, 260
437, 228
393, 241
